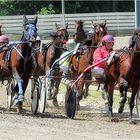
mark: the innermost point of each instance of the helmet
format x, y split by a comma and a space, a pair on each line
108, 38
4, 39
70, 44
38, 38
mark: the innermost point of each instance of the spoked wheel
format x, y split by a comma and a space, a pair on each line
42, 99
138, 103
10, 94
70, 102
35, 96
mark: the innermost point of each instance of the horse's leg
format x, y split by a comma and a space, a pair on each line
56, 90
32, 87
87, 83
131, 102
50, 84
80, 86
86, 89
108, 90
123, 87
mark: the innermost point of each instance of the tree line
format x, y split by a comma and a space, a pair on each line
54, 7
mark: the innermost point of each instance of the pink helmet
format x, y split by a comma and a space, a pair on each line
108, 38
4, 39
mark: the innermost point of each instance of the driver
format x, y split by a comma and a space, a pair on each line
98, 55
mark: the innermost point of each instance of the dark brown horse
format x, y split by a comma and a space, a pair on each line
46, 54
0, 29
45, 58
80, 35
16, 61
80, 61
125, 71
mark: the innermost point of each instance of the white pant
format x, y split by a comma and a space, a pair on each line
64, 69
97, 72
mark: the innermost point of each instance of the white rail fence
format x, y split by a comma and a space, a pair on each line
119, 23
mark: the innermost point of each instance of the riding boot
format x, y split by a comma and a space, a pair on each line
104, 93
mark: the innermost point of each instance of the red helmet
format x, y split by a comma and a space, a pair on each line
108, 38
4, 39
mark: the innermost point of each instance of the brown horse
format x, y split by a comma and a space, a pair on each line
16, 61
80, 35
124, 71
53, 53
0, 29
45, 58
80, 61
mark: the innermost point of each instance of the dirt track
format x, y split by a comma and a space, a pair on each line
90, 123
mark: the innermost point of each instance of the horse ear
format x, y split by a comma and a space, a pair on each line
66, 25
93, 23
57, 27
104, 24
25, 20
35, 20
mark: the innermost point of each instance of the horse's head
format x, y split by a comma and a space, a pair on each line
99, 30
80, 35
61, 35
30, 30
136, 38
78, 24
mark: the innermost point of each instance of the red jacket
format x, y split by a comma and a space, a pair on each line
99, 54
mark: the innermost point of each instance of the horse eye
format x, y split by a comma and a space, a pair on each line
26, 27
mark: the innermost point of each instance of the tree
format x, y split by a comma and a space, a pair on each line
46, 10
54, 7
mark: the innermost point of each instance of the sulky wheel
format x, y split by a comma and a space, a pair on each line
35, 96
42, 98
70, 102
138, 103
10, 94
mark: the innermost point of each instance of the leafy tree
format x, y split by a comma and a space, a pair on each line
46, 10
54, 7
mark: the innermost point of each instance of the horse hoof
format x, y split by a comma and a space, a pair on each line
120, 110
21, 98
49, 97
77, 107
19, 108
85, 95
55, 103
115, 119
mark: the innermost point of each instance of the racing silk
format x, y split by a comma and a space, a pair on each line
99, 54
70, 45
65, 61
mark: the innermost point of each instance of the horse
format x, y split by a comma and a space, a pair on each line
16, 61
80, 35
0, 29
45, 58
80, 61
124, 70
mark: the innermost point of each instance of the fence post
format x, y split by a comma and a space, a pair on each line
137, 13
63, 11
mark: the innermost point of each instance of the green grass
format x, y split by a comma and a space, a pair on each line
95, 97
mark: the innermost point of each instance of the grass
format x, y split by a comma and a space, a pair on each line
95, 98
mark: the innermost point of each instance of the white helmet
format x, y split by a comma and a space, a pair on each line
38, 38
70, 44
